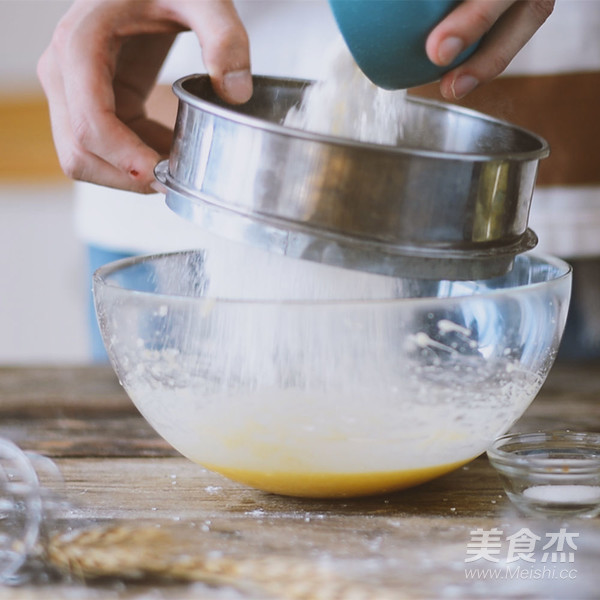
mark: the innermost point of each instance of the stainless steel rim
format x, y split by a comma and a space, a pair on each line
295, 240
227, 113
451, 202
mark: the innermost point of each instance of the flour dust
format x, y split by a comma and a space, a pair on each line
345, 103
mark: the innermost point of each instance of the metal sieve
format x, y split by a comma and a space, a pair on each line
450, 201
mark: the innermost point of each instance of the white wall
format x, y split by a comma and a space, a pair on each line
25, 29
42, 277
42, 273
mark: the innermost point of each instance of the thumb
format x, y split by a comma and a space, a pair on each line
225, 46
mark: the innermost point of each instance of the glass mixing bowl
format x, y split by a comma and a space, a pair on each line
309, 380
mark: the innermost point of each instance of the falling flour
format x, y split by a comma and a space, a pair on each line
345, 103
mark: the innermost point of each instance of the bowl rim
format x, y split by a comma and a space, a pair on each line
231, 114
100, 279
550, 440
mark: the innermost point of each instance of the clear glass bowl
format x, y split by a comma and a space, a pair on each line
309, 380
552, 473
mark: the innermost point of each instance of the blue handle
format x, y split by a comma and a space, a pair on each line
387, 38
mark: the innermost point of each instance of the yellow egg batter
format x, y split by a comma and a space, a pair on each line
333, 485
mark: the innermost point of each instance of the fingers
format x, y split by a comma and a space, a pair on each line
77, 72
462, 27
100, 67
506, 25
76, 161
225, 46
98, 106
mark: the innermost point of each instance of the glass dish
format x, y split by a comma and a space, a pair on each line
304, 379
550, 473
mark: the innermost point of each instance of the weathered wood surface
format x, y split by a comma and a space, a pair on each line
412, 544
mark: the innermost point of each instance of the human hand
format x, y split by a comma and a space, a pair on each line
101, 65
507, 26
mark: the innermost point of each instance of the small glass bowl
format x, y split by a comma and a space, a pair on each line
550, 473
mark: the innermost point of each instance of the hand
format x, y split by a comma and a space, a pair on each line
507, 26
101, 65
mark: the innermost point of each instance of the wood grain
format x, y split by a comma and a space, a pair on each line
119, 473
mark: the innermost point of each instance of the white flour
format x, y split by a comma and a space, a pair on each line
346, 104
240, 271
564, 494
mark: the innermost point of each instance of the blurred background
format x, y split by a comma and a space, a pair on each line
43, 297
42, 304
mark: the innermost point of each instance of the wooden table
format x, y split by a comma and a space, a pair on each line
413, 544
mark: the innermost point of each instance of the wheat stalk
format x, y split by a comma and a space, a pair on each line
129, 552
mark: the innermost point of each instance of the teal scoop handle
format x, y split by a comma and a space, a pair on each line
387, 39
